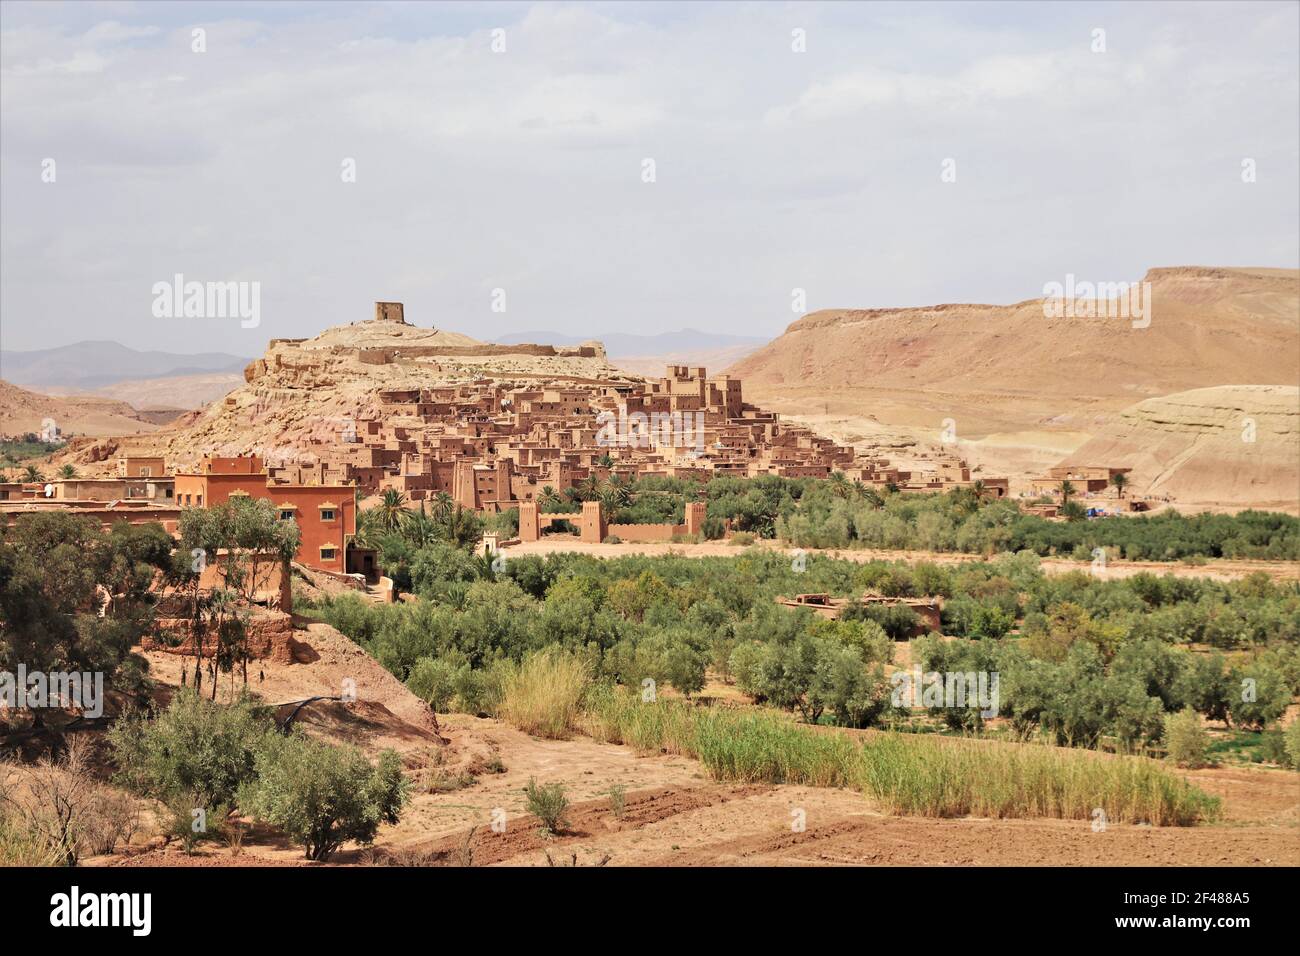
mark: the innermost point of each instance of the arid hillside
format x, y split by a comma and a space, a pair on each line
184, 392
1021, 391
1225, 445
1008, 367
22, 411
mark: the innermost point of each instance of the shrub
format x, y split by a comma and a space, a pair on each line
55, 812
1292, 737
324, 796
543, 695
1185, 739
434, 681
741, 539
20, 845
1272, 747
548, 803
618, 800
195, 750
1260, 696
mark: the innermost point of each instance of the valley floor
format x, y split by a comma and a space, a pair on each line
467, 768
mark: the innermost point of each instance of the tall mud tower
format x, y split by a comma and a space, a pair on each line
389, 312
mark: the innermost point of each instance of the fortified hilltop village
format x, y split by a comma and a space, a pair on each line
383, 405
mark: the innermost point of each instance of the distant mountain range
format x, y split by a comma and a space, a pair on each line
618, 344
93, 365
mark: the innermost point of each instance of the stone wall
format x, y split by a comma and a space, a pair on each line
643, 533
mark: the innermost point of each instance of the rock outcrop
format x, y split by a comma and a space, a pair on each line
1229, 445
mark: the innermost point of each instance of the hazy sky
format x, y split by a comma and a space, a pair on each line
522, 170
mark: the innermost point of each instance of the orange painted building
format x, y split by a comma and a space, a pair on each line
326, 514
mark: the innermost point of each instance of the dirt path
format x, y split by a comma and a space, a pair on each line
1217, 569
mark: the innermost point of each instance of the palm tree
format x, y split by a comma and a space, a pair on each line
1067, 490
840, 486
616, 492
390, 514
419, 528
1119, 480
589, 488
966, 499
460, 526
548, 498
67, 471
442, 503
33, 474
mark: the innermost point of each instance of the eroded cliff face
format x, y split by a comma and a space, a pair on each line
303, 391
1233, 444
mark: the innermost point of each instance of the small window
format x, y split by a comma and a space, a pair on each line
327, 553
327, 514
146, 472
198, 500
286, 514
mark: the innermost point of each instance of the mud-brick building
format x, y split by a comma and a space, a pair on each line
325, 514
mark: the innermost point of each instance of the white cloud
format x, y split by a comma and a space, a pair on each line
477, 169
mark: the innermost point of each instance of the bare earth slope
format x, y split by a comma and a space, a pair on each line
1208, 327
1022, 390
1234, 444
185, 392
22, 411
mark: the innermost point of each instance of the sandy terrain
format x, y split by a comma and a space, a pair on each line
23, 411
185, 392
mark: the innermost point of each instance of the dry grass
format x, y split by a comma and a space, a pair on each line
54, 812
543, 695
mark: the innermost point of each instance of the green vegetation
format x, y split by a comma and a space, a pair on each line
928, 776
542, 695
837, 513
202, 760
1082, 661
56, 572
324, 796
1185, 738
548, 803
14, 451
